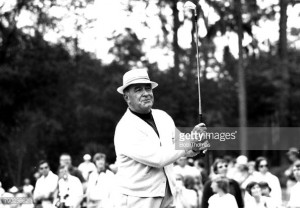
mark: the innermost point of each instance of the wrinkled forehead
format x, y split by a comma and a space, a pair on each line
139, 85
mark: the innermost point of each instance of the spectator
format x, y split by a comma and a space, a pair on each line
221, 198
66, 161
45, 186
184, 197
250, 175
4, 203
294, 201
220, 169
2, 191
293, 155
239, 171
100, 184
70, 190
263, 175
86, 167
255, 199
113, 167
230, 160
198, 187
27, 187
251, 167
182, 168
265, 189
199, 165
14, 192
194, 183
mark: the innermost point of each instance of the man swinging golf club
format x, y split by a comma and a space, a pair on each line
144, 147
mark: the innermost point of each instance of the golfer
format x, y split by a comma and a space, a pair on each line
144, 143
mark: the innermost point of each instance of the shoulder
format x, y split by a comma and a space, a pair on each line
53, 176
272, 177
159, 112
296, 188
213, 197
160, 115
74, 179
109, 173
230, 196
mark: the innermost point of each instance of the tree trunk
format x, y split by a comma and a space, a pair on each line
176, 49
282, 44
241, 80
282, 53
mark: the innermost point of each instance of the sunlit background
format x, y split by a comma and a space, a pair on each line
62, 60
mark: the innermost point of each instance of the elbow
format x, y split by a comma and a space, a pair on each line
158, 163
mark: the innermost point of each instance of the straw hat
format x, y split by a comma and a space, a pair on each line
136, 76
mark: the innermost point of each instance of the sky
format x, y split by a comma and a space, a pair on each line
111, 17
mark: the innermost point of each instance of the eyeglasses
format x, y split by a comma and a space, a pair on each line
296, 168
261, 166
222, 166
42, 168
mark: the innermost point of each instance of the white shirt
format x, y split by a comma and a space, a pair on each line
72, 188
274, 184
99, 186
86, 168
265, 202
188, 196
186, 171
2, 191
217, 201
45, 186
27, 189
295, 196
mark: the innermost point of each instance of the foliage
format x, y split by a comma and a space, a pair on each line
53, 100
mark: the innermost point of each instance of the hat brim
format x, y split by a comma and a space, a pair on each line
121, 89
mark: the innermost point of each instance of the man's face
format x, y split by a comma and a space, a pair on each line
100, 163
263, 166
63, 173
222, 168
44, 169
65, 160
139, 98
256, 190
296, 171
182, 161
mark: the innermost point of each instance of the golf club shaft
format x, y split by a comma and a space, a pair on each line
198, 66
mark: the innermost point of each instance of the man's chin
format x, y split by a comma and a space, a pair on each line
147, 107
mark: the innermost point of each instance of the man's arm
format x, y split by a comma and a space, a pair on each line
136, 145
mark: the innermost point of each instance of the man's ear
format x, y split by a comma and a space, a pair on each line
125, 96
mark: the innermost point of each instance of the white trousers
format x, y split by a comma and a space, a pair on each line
126, 201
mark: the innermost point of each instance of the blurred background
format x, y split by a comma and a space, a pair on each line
62, 60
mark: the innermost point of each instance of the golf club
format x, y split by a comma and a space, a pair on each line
191, 5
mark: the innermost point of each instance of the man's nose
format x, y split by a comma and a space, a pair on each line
146, 91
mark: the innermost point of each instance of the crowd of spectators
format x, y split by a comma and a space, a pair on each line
234, 183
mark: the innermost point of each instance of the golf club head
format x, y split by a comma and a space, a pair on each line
189, 5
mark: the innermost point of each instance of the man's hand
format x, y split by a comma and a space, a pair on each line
200, 131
